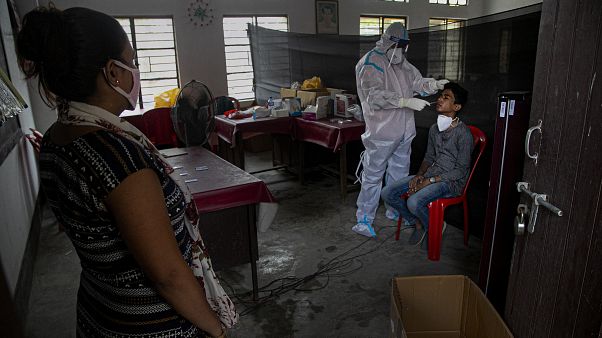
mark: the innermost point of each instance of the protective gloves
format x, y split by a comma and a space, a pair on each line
441, 83
413, 103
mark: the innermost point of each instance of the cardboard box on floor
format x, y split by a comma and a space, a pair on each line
443, 307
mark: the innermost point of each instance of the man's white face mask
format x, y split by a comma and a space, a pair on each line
395, 54
444, 122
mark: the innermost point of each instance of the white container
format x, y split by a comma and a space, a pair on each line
280, 112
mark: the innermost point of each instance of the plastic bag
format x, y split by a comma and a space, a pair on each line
313, 83
167, 99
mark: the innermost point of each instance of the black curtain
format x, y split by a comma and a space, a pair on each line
486, 55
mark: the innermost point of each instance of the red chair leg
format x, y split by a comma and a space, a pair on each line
398, 228
434, 231
465, 222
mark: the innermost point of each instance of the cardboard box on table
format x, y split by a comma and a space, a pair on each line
287, 92
443, 307
308, 96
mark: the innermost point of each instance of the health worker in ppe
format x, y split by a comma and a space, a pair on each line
386, 84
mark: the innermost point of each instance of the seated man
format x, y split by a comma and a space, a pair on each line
444, 170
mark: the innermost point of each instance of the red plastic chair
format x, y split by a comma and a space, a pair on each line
437, 207
159, 128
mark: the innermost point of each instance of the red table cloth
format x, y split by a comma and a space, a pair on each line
135, 118
159, 128
227, 129
328, 133
221, 185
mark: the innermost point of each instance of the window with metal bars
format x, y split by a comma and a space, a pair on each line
445, 48
376, 25
153, 40
239, 66
450, 2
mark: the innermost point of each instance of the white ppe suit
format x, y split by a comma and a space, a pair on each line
389, 129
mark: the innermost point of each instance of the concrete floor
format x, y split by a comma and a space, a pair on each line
312, 228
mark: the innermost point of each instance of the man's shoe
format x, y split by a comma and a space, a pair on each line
392, 215
364, 229
417, 236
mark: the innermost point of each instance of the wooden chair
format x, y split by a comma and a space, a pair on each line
437, 207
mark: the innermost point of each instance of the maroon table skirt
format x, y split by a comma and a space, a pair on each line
332, 135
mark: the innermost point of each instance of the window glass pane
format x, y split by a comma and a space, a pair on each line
436, 22
273, 22
155, 53
369, 25
450, 2
389, 21
239, 66
445, 46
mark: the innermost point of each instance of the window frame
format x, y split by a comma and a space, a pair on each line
131, 19
254, 22
381, 19
460, 43
438, 2
447, 22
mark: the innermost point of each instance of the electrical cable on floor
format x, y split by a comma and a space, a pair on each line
335, 267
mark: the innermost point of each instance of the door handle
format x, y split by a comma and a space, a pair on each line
538, 199
533, 156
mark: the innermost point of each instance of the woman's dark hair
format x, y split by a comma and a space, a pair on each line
66, 50
460, 94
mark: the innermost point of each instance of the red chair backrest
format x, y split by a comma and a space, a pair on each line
225, 103
159, 128
480, 141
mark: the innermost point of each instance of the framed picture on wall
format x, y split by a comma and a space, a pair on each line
327, 17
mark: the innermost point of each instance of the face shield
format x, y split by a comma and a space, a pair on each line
395, 40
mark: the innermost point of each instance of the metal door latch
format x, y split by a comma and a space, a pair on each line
538, 199
520, 221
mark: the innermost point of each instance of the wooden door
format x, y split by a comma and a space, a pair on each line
555, 287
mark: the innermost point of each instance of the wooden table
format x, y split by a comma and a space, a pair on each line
233, 132
331, 133
226, 198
